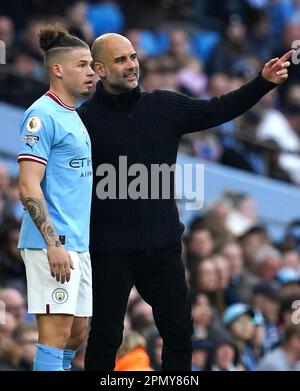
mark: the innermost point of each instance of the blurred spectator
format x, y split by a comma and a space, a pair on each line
286, 357
242, 281
14, 205
251, 241
141, 316
26, 336
223, 270
191, 78
289, 281
239, 319
291, 240
232, 51
30, 47
200, 244
7, 35
291, 259
201, 350
207, 326
226, 357
266, 299
259, 33
4, 180
154, 349
243, 216
77, 22
14, 303
7, 328
206, 277
179, 46
131, 355
12, 269
266, 262
10, 355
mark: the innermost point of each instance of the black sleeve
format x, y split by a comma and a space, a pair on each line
191, 114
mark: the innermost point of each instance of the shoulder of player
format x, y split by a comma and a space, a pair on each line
39, 108
38, 116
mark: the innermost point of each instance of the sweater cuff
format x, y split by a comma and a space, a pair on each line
269, 85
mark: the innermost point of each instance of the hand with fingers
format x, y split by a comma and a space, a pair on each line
276, 70
60, 263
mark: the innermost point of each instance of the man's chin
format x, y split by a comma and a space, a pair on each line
87, 92
131, 85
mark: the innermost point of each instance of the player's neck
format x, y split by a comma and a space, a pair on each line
63, 95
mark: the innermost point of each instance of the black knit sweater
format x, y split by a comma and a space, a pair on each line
146, 127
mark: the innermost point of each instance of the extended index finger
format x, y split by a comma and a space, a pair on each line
287, 55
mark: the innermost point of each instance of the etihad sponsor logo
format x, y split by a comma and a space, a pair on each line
80, 162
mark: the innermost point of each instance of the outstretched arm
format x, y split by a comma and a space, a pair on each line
191, 115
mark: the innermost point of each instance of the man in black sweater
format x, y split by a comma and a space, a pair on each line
138, 241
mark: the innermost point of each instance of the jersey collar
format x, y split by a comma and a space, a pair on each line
59, 101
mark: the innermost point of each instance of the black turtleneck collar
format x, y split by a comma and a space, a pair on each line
118, 102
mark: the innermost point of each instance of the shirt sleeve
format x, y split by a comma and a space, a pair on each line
37, 134
191, 114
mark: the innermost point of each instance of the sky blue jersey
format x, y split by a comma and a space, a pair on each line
53, 134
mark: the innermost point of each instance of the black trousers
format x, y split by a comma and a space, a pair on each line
159, 277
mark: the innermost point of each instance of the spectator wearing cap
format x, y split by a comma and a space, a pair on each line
239, 319
289, 281
266, 299
285, 357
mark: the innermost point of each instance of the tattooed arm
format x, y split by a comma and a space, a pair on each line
38, 211
31, 175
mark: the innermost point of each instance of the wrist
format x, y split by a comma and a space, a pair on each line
56, 243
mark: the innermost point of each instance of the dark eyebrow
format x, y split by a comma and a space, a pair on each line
122, 57
119, 58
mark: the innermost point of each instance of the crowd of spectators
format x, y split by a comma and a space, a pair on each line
245, 288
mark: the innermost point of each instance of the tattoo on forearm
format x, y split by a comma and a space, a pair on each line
38, 211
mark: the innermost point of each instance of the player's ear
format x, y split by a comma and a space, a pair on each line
99, 69
57, 70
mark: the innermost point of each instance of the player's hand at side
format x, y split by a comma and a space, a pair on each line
276, 70
60, 263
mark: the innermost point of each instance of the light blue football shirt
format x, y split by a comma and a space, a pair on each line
53, 134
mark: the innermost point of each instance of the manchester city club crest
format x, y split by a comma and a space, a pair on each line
60, 296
